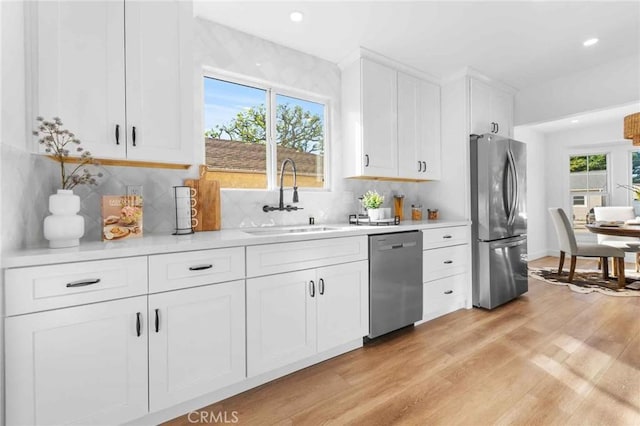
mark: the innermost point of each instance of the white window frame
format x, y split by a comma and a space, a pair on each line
630, 197
580, 153
273, 89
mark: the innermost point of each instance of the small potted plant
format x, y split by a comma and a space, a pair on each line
372, 201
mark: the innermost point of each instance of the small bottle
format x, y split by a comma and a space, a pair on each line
416, 212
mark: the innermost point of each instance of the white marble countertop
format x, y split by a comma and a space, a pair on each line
160, 244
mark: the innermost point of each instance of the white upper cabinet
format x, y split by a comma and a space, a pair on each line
379, 120
418, 128
391, 123
491, 109
78, 73
118, 74
159, 81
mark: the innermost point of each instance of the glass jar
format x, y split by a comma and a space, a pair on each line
416, 212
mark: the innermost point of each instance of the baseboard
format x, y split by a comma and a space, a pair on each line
203, 401
538, 255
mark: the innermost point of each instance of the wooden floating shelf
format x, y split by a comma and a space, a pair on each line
128, 163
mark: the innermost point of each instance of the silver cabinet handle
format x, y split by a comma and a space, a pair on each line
157, 324
446, 236
83, 283
419, 166
448, 292
448, 262
312, 288
321, 286
424, 168
200, 267
366, 160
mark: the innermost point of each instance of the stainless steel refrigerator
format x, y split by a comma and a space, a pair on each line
499, 219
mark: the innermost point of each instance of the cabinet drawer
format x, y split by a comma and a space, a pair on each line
444, 262
188, 269
275, 258
442, 237
444, 295
55, 286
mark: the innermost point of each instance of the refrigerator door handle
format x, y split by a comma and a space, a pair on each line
513, 175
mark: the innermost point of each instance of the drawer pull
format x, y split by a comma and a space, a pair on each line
321, 286
447, 236
83, 283
312, 289
138, 325
448, 262
200, 267
448, 292
157, 320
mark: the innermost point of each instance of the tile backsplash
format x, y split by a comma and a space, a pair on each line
29, 179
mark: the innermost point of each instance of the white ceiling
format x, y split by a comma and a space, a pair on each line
519, 43
589, 119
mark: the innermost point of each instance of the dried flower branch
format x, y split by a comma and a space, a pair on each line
59, 143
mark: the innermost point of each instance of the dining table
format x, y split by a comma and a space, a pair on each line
615, 229
620, 229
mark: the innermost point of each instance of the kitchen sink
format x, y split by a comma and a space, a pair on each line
289, 230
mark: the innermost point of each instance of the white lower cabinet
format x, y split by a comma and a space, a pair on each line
196, 342
445, 266
444, 295
79, 365
294, 315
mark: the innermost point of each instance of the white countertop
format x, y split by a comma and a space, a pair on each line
160, 243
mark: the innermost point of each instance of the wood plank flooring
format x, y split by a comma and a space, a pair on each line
552, 357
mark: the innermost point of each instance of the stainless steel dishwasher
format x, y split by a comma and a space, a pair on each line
395, 281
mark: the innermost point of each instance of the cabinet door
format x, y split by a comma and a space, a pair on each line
379, 120
159, 81
481, 119
418, 128
343, 304
79, 71
82, 365
281, 320
502, 112
196, 342
491, 110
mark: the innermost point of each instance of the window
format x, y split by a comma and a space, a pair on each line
578, 200
249, 131
635, 168
588, 186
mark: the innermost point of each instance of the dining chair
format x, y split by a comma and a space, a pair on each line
621, 213
569, 245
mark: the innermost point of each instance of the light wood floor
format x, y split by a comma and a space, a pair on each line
552, 357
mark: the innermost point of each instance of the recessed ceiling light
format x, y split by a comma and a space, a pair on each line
296, 16
590, 42
575, 121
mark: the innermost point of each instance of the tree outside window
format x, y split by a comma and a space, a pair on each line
237, 143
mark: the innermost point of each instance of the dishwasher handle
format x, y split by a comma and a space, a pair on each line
397, 246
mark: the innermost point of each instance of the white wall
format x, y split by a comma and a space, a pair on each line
536, 191
604, 138
611, 84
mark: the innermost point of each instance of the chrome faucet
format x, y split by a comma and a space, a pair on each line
281, 205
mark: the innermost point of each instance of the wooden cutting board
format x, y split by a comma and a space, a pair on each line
194, 183
207, 201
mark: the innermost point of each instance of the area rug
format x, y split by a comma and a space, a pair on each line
588, 281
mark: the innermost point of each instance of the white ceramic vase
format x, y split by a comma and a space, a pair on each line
375, 214
64, 227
